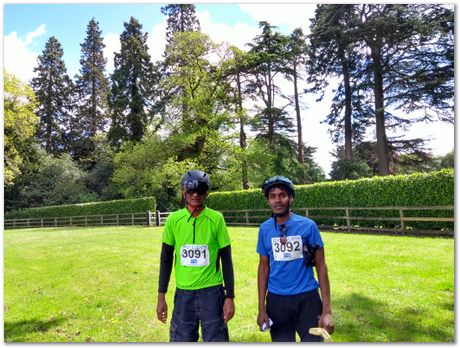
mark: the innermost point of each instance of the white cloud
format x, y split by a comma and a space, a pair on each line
291, 15
32, 35
112, 45
19, 59
157, 41
237, 34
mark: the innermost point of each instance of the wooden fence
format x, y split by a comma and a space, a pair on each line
341, 218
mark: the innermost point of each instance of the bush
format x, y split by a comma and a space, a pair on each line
120, 206
420, 189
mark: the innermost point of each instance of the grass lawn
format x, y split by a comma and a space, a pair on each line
99, 285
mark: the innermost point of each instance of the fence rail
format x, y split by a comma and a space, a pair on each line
84, 220
342, 217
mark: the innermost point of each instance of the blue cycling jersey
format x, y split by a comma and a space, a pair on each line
288, 273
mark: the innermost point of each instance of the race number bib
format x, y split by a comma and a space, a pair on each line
194, 255
291, 250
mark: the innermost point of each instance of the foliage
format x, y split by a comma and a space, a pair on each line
349, 169
92, 87
131, 94
20, 123
181, 18
57, 180
54, 92
421, 189
99, 285
120, 206
403, 42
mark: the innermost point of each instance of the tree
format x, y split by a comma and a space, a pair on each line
196, 116
53, 89
296, 58
267, 52
131, 95
20, 125
181, 18
332, 52
92, 87
403, 49
57, 180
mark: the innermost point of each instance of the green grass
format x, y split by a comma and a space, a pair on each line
99, 285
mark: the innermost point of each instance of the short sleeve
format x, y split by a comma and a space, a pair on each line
260, 244
223, 239
314, 237
168, 235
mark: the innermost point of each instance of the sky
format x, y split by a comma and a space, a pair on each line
27, 26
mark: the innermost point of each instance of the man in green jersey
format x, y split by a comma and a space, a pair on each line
198, 238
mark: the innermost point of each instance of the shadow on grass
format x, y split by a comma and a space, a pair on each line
368, 320
16, 331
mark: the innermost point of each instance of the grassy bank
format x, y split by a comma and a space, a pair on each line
99, 285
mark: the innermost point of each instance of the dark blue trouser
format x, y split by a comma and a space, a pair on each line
192, 307
294, 313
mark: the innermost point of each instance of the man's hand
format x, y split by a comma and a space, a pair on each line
263, 318
162, 308
229, 309
325, 321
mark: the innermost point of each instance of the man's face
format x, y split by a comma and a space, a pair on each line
279, 200
195, 199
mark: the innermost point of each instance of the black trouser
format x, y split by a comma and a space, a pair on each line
194, 306
294, 313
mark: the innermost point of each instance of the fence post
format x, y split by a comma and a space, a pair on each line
246, 215
86, 220
307, 213
14, 223
347, 213
149, 218
132, 219
55, 222
28, 222
158, 218
118, 221
70, 221
102, 219
401, 218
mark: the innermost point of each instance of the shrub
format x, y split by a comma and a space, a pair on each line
420, 189
120, 206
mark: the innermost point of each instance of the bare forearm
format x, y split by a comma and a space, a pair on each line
262, 281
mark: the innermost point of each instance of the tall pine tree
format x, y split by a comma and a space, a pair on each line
92, 88
53, 89
181, 18
130, 99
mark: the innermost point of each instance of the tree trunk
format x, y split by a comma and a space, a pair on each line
382, 148
347, 117
239, 110
300, 155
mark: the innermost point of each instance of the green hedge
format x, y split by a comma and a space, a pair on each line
420, 189
120, 206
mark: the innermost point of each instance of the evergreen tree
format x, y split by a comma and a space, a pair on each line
92, 87
131, 94
181, 18
53, 89
296, 59
268, 50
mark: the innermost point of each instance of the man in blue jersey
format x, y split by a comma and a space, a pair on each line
289, 246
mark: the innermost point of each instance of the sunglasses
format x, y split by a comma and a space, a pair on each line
200, 188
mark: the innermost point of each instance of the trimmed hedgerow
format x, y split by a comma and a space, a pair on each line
120, 206
420, 189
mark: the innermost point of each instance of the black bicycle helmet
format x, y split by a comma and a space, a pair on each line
196, 180
278, 181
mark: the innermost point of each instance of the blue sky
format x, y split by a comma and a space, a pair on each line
27, 27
